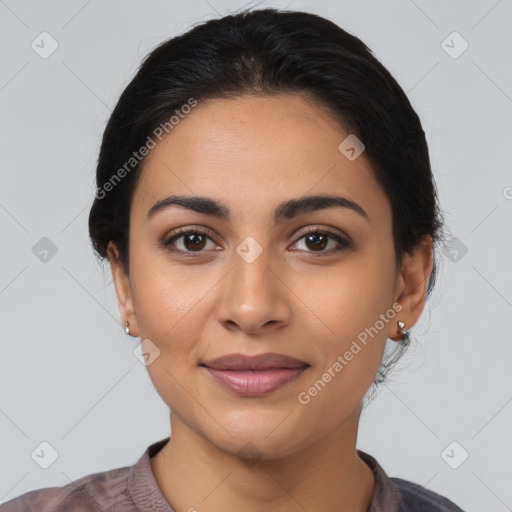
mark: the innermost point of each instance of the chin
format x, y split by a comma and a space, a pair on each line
258, 439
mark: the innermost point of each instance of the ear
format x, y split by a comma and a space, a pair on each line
412, 284
123, 290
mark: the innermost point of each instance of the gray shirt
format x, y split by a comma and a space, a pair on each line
134, 489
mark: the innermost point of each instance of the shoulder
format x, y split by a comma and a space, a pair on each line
400, 495
97, 492
417, 498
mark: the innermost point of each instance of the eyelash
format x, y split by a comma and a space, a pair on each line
180, 232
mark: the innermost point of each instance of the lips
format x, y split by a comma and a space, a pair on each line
267, 361
253, 376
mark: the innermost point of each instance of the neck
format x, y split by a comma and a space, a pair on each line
194, 474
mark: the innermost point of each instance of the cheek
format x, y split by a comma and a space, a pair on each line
352, 308
168, 303
162, 289
349, 298
169, 313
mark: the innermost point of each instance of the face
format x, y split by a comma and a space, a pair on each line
306, 286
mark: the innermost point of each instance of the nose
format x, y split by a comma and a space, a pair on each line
253, 297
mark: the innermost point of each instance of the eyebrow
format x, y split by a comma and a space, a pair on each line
286, 210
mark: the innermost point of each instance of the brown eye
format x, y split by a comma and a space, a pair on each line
192, 240
317, 240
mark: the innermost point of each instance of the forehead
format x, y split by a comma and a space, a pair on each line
253, 152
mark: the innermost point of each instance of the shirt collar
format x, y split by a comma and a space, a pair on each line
386, 495
142, 485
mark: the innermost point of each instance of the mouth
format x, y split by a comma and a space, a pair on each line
253, 376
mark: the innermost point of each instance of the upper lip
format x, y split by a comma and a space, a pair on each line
257, 362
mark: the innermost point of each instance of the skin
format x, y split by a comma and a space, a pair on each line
252, 153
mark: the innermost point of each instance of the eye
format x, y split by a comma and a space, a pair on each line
318, 239
194, 240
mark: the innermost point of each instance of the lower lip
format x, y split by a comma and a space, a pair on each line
252, 383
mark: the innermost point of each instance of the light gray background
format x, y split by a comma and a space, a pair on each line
68, 375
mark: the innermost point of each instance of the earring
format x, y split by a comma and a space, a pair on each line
403, 331
127, 328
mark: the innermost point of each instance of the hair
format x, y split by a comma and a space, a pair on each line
269, 52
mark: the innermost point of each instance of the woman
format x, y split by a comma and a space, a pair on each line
266, 203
